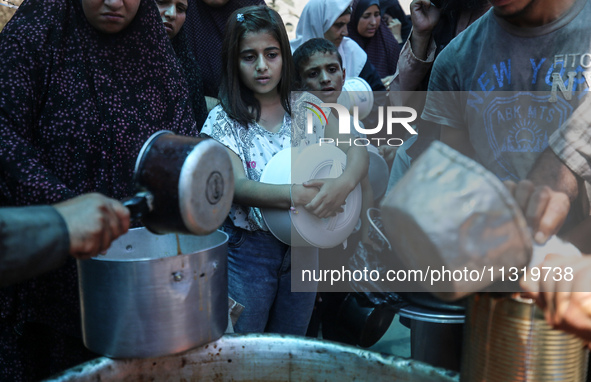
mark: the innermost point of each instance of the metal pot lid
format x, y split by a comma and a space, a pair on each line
206, 187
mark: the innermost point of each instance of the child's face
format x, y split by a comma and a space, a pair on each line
110, 16
323, 74
260, 63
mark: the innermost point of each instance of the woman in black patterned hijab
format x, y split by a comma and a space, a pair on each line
83, 84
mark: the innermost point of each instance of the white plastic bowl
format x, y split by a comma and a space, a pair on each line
303, 229
357, 92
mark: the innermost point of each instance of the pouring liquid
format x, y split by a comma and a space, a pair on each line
178, 245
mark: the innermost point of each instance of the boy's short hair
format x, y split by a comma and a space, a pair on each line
302, 54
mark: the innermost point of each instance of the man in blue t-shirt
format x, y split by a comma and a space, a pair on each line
505, 84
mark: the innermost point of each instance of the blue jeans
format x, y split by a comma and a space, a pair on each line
259, 277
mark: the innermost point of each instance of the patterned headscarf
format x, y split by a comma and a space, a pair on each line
192, 74
76, 106
205, 27
382, 49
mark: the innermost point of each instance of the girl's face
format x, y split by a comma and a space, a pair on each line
260, 63
173, 13
110, 16
369, 22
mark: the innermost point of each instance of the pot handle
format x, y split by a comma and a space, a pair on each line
140, 204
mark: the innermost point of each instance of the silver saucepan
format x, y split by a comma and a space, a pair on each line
184, 184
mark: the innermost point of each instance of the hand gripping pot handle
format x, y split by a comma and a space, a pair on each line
139, 205
184, 184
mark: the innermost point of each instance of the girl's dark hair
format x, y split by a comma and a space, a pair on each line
237, 100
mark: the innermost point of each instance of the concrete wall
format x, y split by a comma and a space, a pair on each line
6, 12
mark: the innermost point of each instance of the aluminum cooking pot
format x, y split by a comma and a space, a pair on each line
184, 184
142, 299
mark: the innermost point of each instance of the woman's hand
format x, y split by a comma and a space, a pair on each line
387, 81
394, 25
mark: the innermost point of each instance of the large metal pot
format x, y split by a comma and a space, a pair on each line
184, 184
259, 358
143, 299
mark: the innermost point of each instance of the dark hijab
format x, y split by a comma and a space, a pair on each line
382, 49
76, 107
192, 74
205, 27
393, 8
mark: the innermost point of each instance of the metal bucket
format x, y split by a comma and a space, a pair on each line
259, 358
143, 299
435, 335
507, 339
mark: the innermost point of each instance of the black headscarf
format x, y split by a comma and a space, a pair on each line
393, 8
382, 49
192, 73
76, 107
205, 27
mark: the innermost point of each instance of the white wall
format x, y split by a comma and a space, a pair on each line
405, 4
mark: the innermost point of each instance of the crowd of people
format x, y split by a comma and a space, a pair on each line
84, 83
